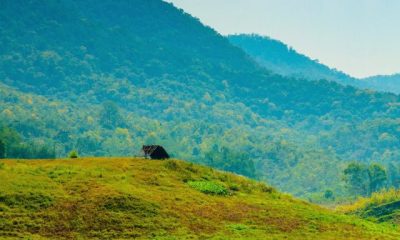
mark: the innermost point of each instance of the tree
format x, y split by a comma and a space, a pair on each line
357, 178
393, 175
377, 177
231, 160
2, 149
73, 154
329, 195
110, 116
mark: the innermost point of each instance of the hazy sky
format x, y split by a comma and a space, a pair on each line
359, 37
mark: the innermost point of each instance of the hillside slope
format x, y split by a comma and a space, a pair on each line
107, 198
380, 207
106, 77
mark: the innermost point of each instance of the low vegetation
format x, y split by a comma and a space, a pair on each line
125, 198
209, 187
382, 206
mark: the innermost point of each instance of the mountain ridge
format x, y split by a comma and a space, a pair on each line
282, 59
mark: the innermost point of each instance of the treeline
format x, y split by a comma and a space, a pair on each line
13, 146
363, 179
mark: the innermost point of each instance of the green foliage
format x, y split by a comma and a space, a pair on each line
110, 116
12, 145
209, 187
229, 160
364, 180
73, 154
377, 176
329, 195
357, 178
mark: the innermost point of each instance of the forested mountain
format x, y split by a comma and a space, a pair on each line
279, 58
284, 60
105, 77
385, 83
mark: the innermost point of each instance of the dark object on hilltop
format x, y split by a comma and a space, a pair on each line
154, 152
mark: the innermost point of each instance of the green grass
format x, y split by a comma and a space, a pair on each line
125, 198
209, 187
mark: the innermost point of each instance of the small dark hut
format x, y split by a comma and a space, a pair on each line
154, 152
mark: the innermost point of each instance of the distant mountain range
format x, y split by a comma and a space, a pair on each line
278, 57
385, 83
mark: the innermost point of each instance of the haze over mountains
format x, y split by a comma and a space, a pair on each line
282, 59
386, 83
106, 77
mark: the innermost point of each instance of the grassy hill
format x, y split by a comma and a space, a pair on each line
121, 198
380, 207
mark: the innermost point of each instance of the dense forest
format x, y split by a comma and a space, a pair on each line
104, 78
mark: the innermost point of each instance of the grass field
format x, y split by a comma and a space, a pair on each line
125, 198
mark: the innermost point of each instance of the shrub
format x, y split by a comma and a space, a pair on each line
131, 204
171, 165
209, 187
264, 188
234, 187
26, 200
73, 154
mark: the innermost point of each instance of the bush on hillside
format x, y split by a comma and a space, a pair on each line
209, 187
73, 154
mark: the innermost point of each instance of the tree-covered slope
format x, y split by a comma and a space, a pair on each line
125, 198
106, 77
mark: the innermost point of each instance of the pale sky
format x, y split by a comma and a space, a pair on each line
359, 37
